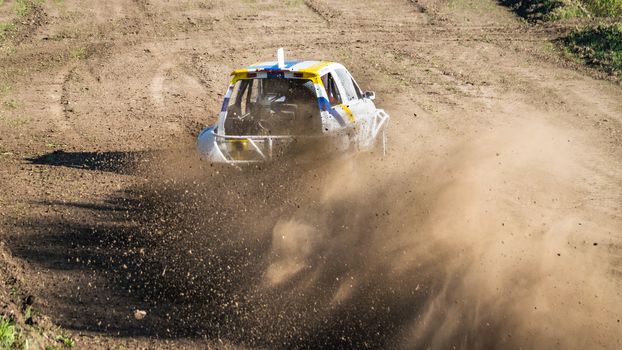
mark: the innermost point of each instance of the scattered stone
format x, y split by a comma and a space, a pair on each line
140, 314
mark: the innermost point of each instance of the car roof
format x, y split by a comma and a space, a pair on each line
314, 67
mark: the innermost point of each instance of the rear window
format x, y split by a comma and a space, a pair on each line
273, 106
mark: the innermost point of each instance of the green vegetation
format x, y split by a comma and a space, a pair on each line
65, 340
8, 334
538, 10
5, 88
5, 28
14, 121
55, 145
14, 337
604, 8
599, 46
10, 104
24, 7
565, 12
533, 10
79, 53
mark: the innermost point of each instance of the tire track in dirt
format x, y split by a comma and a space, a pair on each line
157, 84
58, 99
60, 108
323, 10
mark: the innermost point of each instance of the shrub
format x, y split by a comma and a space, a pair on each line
533, 10
536, 10
598, 46
604, 8
7, 334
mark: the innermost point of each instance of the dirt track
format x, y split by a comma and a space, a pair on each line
510, 156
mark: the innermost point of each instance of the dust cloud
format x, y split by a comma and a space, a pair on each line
496, 244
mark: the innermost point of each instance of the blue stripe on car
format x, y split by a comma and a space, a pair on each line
324, 104
326, 107
288, 65
225, 104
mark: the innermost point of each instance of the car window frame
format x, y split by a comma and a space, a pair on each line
357, 87
336, 87
357, 95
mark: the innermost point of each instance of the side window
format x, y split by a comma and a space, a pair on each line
254, 89
351, 90
234, 108
244, 96
359, 93
331, 89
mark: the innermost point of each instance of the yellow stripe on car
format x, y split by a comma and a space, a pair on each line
315, 69
348, 112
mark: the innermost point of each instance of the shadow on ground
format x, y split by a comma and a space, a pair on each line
532, 10
116, 162
193, 253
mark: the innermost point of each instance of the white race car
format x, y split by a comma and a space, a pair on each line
272, 105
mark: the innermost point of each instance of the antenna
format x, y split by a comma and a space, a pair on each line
280, 54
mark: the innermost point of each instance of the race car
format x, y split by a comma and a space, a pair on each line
270, 107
